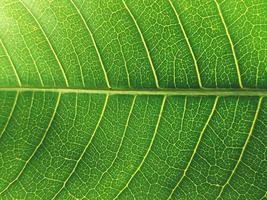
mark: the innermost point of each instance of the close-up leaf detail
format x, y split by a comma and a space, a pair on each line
133, 99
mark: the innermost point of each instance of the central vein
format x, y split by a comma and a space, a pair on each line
152, 91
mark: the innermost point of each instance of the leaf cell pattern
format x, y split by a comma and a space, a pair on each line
123, 99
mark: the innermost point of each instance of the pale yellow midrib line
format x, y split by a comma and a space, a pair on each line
144, 43
47, 40
37, 147
148, 91
94, 43
188, 44
85, 149
11, 62
231, 44
244, 147
196, 147
149, 147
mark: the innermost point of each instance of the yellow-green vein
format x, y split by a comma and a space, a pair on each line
145, 45
11, 62
150, 91
244, 147
231, 44
196, 147
49, 43
125, 64
121, 142
37, 147
188, 44
32, 58
94, 43
85, 149
10, 115
149, 147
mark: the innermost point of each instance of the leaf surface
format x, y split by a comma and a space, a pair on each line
123, 99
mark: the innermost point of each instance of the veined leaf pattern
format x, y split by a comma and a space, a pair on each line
123, 99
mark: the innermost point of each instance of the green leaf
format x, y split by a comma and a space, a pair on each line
133, 99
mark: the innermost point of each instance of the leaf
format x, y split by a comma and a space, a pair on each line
133, 99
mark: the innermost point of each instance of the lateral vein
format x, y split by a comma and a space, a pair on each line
244, 147
94, 43
120, 145
49, 43
149, 147
144, 43
85, 149
11, 62
10, 115
37, 147
196, 147
188, 44
231, 44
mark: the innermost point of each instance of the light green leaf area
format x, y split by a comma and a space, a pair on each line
133, 99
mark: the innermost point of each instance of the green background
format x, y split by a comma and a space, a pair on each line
133, 99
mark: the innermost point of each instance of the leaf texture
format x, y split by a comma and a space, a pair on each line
123, 99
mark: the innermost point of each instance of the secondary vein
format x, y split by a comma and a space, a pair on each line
37, 147
85, 149
243, 149
49, 43
10, 114
94, 43
188, 44
231, 44
145, 45
11, 62
196, 147
149, 147
120, 145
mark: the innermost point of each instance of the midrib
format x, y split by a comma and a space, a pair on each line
162, 91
